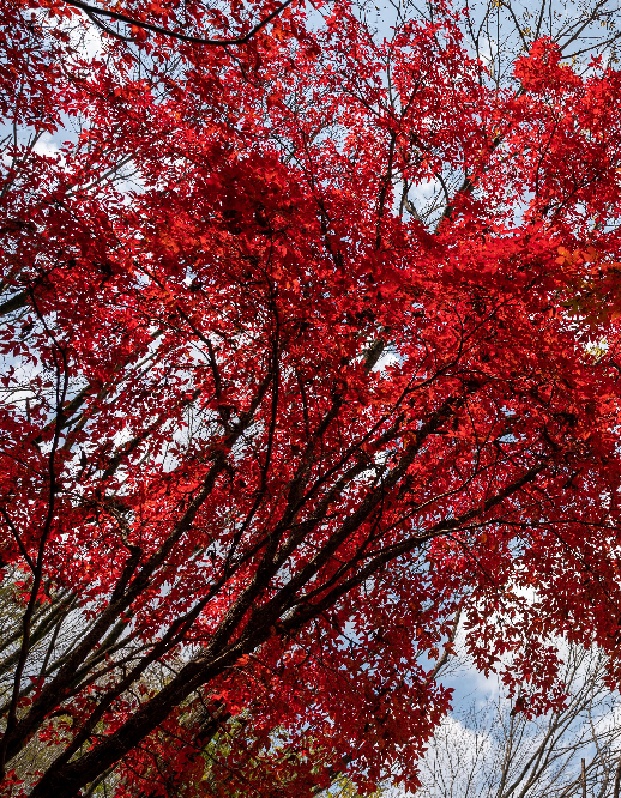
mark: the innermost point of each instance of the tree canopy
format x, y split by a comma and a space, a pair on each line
310, 341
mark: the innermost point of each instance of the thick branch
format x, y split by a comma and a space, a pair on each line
93, 11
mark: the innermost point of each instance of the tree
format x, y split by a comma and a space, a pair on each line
265, 423
489, 748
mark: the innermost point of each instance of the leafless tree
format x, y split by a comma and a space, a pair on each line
492, 749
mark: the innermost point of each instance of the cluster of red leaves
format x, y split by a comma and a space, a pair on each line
196, 437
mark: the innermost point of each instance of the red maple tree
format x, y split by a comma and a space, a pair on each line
265, 425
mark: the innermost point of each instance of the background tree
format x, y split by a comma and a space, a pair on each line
491, 747
264, 424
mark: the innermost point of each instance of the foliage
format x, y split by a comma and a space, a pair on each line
265, 423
